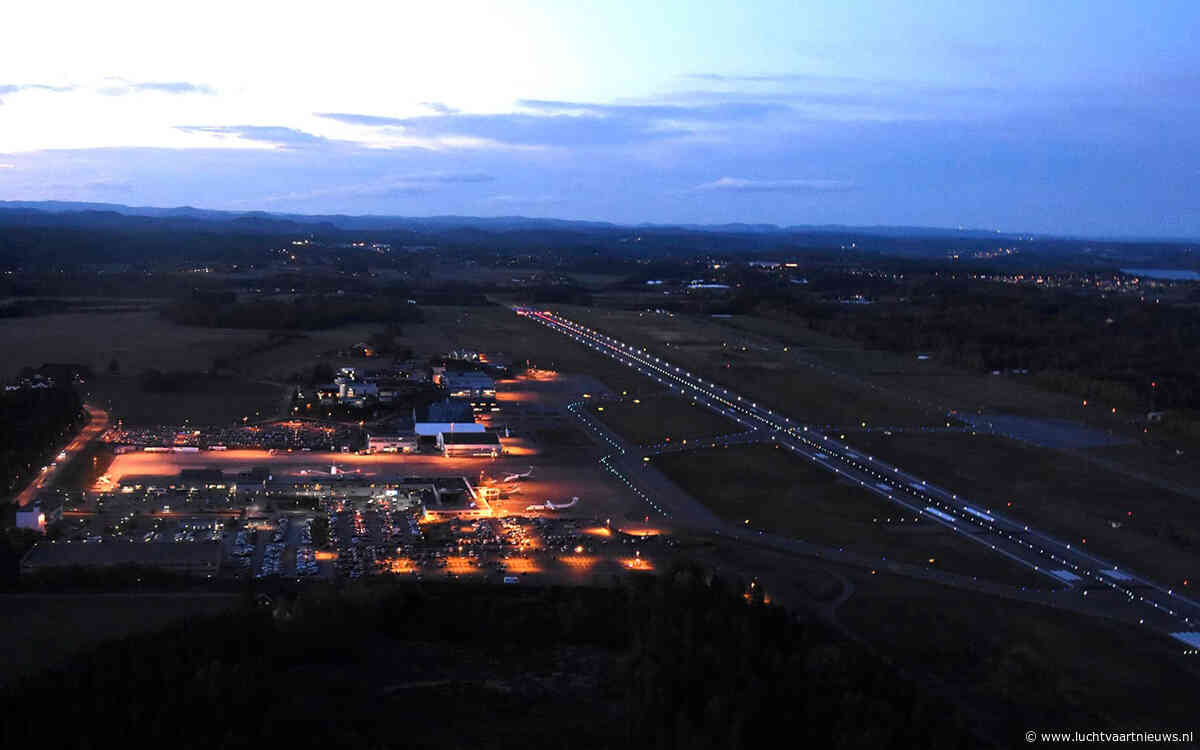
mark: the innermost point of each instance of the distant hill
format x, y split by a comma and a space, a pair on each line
489, 223
63, 233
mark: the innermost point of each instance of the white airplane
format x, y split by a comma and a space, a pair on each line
553, 506
517, 477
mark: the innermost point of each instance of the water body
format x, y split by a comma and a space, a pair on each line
1165, 274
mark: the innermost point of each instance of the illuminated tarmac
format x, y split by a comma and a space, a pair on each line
555, 481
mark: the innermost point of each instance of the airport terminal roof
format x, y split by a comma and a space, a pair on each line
448, 428
470, 438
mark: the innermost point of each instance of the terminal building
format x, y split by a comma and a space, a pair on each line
393, 443
469, 444
469, 385
444, 416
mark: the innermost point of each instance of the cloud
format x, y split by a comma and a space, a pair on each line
739, 185
552, 123
12, 88
807, 78
525, 200
850, 99
388, 187
451, 177
123, 87
272, 134
109, 186
441, 109
715, 112
369, 120
174, 87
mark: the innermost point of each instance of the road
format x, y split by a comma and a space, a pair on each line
97, 424
1066, 562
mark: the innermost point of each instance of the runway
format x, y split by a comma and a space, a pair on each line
1065, 562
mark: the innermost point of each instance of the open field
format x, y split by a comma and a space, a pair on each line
660, 418
926, 381
880, 381
141, 339
214, 401
1167, 465
1037, 667
784, 495
40, 631
761, 370
136, 340
1149, 530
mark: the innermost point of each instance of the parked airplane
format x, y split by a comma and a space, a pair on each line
553, 506
518, 477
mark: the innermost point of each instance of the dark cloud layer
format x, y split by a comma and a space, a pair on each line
572, 124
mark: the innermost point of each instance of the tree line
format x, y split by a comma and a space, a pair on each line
36, 421
682, 660
302, 312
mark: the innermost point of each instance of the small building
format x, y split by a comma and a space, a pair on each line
40, 513
187, 558
356, 392
393, 443
468, 385
478, 444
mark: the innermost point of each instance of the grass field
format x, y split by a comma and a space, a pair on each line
781, 494
137, 340
757, 368
883, 387
1181, 468
1158, 532
658, 418
1038, 667
216, 401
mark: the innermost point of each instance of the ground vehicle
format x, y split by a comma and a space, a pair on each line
511, 579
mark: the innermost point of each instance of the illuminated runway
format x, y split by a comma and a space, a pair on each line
97, 424
1065, 562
